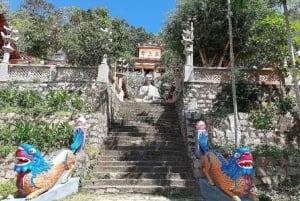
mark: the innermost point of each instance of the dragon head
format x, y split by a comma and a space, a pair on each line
240, 163
29, 159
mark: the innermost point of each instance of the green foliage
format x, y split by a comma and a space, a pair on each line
7, 188
247, 92
95, 32
45, 30
275, 151
28, 99
264, 118
267, 44
285, 104
264, 197
46, 136
91, 151
291, 185
211, 28
165, 81
57, 99
33, 103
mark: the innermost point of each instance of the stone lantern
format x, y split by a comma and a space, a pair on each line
8, 39
187, 41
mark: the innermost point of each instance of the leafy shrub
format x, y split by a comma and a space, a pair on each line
8, 97
264, 197
57, 99
263, 119
7, 188
285, 104
47, 137
28, 99
274, 151
247, 93
32, 103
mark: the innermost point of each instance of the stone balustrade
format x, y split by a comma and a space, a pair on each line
51, 73
265, 76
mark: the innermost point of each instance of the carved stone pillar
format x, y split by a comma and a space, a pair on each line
7, 49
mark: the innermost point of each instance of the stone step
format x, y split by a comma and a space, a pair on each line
138, 163
120, 143
144, 175
148, 157
145, 123
148, 105
138, 137
141, 182
145, 148
153, 169
142, 153
155, 189
144, 129
164, 115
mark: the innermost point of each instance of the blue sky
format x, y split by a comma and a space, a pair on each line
149, 14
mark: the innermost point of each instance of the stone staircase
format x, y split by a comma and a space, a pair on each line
144, 153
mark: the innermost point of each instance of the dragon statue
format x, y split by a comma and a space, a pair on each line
232, 176
35, 175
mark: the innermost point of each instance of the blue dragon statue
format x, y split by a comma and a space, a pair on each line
232, 176
36, 175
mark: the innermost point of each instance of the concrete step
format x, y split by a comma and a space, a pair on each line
148, 105
142, 138
143, 148
139, 163
141, 182
145, 123
145, 129
155, 189
152, 169
142, 153
143, 158
143, 175
121, 144
133, 155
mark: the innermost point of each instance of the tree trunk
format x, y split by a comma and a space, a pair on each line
291, 50
203, 57
234, 102
223, 55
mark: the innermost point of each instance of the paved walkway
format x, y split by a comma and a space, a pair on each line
127, 197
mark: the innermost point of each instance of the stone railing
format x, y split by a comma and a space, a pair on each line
50, 73
266, 76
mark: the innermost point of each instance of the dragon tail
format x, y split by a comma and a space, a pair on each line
78, 140
203, 141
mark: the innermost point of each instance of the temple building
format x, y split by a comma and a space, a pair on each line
149, 59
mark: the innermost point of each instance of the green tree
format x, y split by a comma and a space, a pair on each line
37, 8
289, 6
211, 43
4, 7
36, 24
88, 36
266, 46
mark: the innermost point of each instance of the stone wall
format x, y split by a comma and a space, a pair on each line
271, 171
202, 96
93, 93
